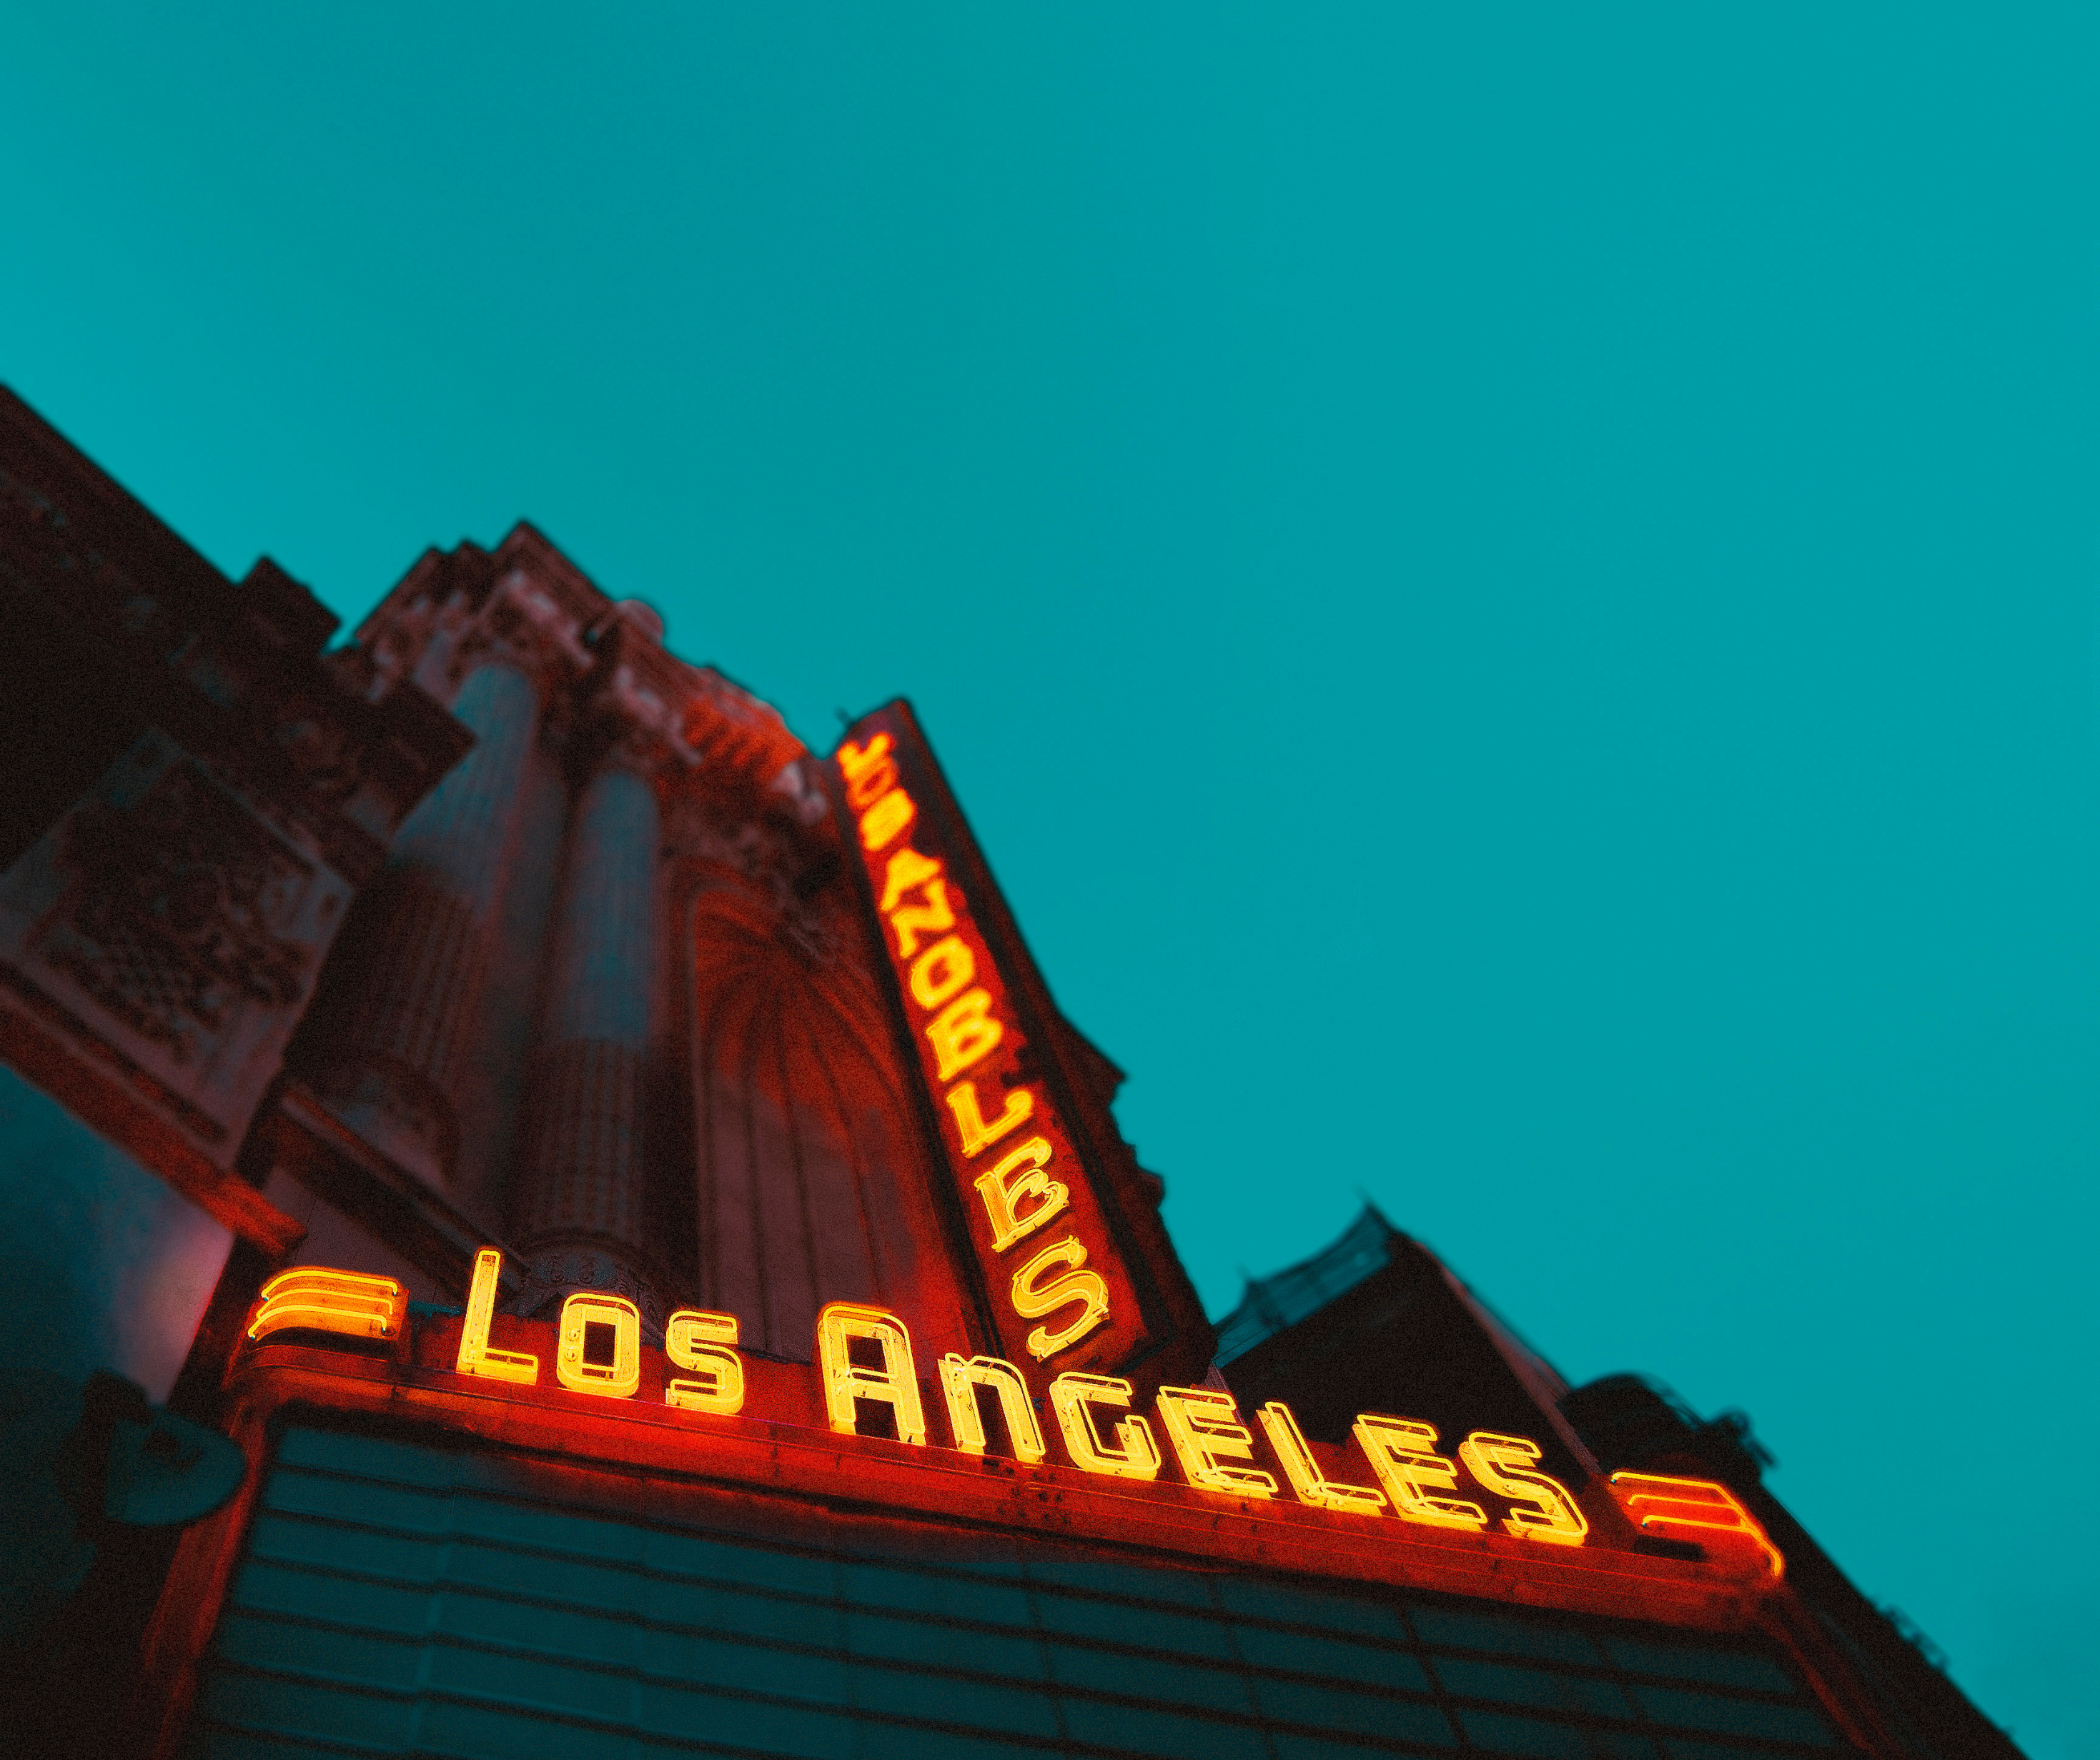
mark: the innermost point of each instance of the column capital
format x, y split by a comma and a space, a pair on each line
563, 1266
523, 624
456, 614
627, 719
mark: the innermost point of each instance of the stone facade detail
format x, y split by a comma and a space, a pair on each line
209, 790
421, 946
586, 1166
522, 916
181, 912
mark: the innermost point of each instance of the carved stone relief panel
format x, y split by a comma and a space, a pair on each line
164, 920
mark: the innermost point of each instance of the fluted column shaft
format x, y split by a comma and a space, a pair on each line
582, 1211
414, 972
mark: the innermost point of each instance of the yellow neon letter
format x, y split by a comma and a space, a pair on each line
888, 816
623, 1375
856, 761
316, 1299
1033, 1299
895, 1383
1306, 1479
907, 867
962, 1033
1706, 1510
970, 1122
1203, 1425
942, 969
1134, 1456
934, 916
1400, 1451
868, 772
960, 1380
1049, 1196
1502, 1464
476, 1356
698, 1341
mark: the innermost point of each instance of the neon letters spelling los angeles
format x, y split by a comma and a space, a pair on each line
876, 1388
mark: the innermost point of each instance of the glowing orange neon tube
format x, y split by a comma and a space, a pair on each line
961, 1377
476, 1356
1134, 1455
697, 1340
1400, 1451
895, 1383
1306, 1479
317, 1299
616, 1380
1503, 1464
1702, 1510
1204, 1426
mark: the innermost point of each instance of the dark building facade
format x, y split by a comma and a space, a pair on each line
556, 1220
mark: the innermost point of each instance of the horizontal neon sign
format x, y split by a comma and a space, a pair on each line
864, 1359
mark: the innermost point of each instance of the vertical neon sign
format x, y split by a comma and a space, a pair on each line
1055, 1281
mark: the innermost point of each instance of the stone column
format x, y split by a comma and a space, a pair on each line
408, 978
581, 1215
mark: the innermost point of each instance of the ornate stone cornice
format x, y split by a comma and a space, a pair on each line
606, 675
331, 751
454, 614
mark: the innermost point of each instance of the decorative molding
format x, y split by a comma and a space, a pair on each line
175, 934
180, 914
528, 601
561, 1267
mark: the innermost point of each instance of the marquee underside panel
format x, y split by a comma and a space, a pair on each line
396, 1597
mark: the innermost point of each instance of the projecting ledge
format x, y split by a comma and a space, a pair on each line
334, 1162
583, 1433
104, 1092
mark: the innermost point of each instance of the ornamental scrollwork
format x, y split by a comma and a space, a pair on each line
175, 914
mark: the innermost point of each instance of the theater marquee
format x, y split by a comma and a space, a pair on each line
1397, 1483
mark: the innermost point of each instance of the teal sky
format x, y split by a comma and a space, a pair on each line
1512, 599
